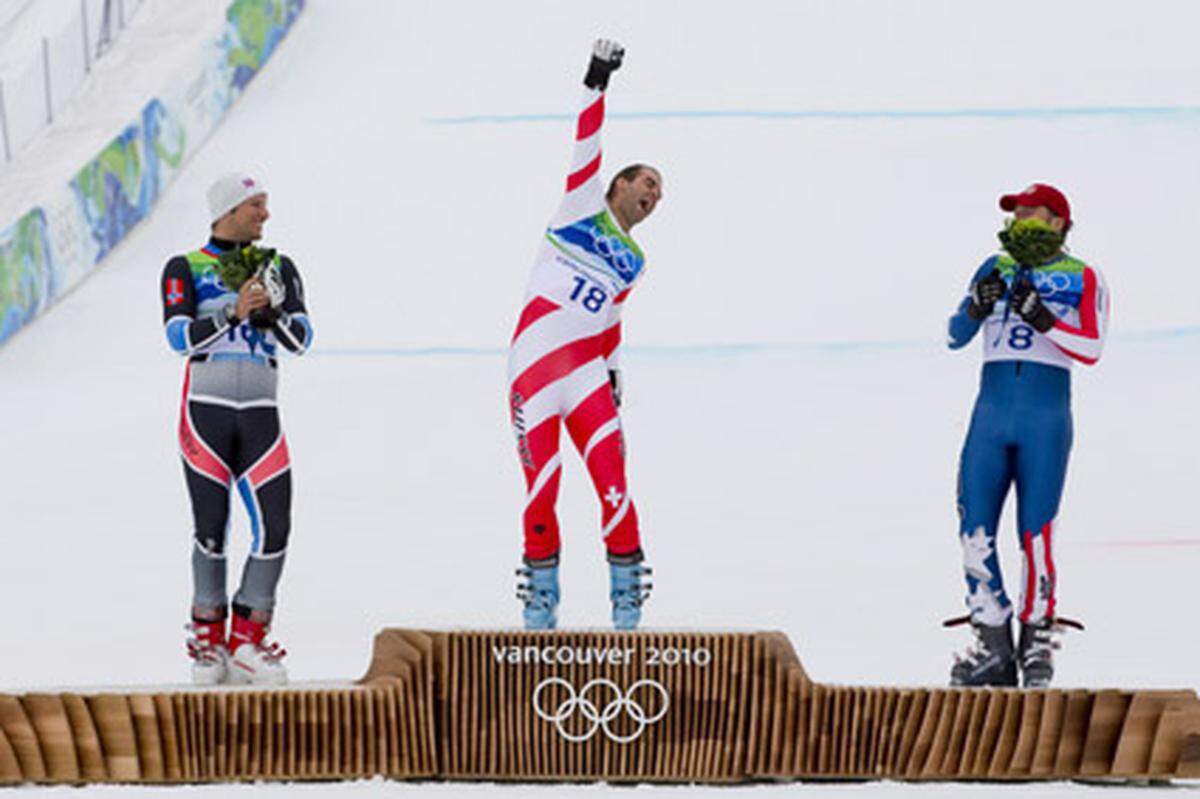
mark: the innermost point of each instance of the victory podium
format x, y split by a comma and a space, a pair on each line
595, 705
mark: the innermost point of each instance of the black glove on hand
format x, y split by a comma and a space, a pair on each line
614, 380
1028, 304
984, 295
606, 59
264, 318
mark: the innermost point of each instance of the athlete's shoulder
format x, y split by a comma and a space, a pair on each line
993, 261
1085, 266
1069, 263
177, 266
287, 264
586, 219
197, 260
1093, 279
1004, 262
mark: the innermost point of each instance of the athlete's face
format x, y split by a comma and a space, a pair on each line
635, 199
1039, 212
245, 223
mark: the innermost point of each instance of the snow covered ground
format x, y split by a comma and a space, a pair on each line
793, 416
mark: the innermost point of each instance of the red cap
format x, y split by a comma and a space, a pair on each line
1039, 194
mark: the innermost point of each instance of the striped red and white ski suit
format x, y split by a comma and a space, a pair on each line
564, 345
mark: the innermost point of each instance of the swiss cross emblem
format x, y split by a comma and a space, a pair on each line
174, 291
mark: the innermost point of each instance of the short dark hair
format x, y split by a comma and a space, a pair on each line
628, 173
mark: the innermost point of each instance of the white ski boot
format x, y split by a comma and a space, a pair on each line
206, 648
253, 660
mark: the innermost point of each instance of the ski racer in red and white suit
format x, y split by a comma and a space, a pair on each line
562, 366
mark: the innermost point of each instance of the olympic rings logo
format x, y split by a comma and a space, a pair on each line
1052, 282
613, 250
597, 718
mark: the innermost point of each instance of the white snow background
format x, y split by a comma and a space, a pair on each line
792, 414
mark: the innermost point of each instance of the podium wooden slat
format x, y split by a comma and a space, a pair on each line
22, 738
48, 716
739, 706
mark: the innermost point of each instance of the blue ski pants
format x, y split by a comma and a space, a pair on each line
1020, 434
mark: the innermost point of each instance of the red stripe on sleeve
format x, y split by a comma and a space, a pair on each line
590, 120
577, 179
1088, 328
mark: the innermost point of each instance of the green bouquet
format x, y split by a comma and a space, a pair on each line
1030, 241
239, 265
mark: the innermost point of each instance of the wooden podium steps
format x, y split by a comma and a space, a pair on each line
211, 737
816, 730
622, 707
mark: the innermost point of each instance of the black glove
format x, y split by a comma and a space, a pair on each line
606, 59
264, 318
614, 380
1028, 304
984, 295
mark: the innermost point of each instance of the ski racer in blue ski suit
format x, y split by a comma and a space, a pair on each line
1038, 322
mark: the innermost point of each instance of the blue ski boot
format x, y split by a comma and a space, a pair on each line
628, 591
539, 592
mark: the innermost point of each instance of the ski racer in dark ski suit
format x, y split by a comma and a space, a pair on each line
229, 429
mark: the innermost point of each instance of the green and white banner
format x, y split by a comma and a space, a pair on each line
54, 245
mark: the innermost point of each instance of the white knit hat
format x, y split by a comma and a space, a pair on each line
230, 191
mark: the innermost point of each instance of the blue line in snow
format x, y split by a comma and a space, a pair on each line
1061, 112
409, 352
721, 350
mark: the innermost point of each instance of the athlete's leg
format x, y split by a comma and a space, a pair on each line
206, 442
1041, 470
264, 481
548, 350
209, 597
537, 448
595, 428
984, 475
